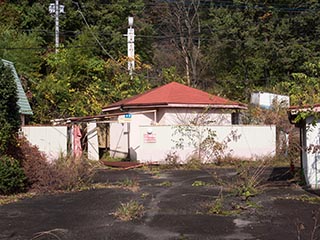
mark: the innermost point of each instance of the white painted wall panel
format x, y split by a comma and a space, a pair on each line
51, 140
253, 142
311, 159
178, 116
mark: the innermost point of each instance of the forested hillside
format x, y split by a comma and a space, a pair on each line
229, 48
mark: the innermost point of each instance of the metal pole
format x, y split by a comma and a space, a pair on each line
57, 11
130, 36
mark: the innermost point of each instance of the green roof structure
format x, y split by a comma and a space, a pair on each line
23, 103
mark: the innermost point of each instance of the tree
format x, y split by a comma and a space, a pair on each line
23, 49
79, 83
228, 48
305, 89
109, 21
255, 45
9, 109
182, 27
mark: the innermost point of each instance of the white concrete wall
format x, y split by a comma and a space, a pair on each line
51, 140
178, 116
310, 159
164, 116
252, 142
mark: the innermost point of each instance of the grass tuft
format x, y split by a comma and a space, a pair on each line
130, 184
165, 184
129, 211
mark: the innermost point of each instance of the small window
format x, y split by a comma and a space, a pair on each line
235, 118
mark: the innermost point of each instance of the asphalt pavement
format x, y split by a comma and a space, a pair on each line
175, 207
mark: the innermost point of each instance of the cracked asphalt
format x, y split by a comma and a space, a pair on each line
172, 211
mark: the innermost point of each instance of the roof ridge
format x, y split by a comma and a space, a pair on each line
170, 89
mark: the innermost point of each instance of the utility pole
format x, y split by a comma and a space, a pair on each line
130, 36
56, 9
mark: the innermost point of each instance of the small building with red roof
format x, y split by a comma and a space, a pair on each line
172, 100
168, 105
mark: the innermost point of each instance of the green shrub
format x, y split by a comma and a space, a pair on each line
9, 109
12, 177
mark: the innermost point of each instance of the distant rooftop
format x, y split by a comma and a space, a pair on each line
23, 103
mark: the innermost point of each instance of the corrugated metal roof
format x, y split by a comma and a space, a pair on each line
23, 102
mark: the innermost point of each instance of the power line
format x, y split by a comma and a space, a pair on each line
92, 33
147, 36
45, 48
163, 4
95, 37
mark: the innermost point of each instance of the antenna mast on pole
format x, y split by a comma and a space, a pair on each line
56, 9
130, 36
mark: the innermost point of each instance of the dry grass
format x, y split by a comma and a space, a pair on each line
65, 173
129, 211
129, 184
6, 199
57, 233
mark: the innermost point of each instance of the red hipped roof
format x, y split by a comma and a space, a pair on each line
176, 94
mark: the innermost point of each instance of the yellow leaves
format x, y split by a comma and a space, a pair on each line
122, 64
266, 16
49, 98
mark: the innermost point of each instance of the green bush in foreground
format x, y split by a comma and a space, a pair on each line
12, 177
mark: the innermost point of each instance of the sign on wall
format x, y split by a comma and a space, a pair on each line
150, 138
126, 118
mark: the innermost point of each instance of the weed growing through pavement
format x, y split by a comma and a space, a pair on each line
198, 183
182, 237
127, 184
240, 190
172, 160
249, 180
129, 211
193, 163
218, 207
145, 195
153, 170
165, 184
131, 184
303, 198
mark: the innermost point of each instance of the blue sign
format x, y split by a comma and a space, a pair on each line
128, 115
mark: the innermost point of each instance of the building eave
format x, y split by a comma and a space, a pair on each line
293, 111
216, 106
176, 105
